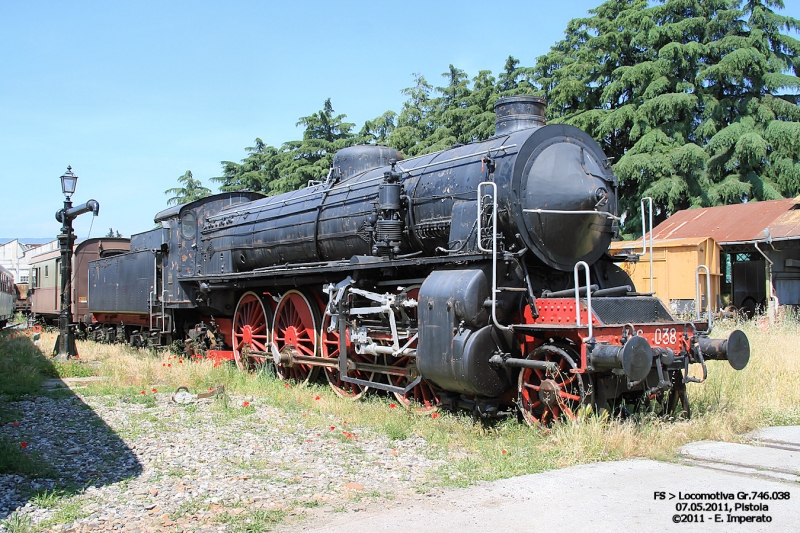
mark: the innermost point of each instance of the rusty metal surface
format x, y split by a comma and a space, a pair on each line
734, 223
786, 225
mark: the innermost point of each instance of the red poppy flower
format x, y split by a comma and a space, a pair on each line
163, 364
169, 364
435, 415
23, 444
316, 397
211, 388
392, 405
16, 424
504, 452
181, 361
285, 385
304, 415
333, 427
154, 390
144, 392
246, 404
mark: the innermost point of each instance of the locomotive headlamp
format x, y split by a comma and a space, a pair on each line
68, 182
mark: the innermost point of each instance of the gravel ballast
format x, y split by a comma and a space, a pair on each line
213, 465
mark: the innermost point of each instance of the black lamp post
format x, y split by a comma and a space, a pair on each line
65, 344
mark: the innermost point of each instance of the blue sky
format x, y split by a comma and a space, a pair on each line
133, 94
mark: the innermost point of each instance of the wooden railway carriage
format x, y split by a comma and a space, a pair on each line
475, 277
45, 293
7, 297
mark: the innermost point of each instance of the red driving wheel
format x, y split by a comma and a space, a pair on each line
294, 331
250, 332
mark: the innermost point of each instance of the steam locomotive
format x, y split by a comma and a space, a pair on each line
476, 277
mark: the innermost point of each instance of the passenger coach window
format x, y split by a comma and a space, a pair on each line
188, 225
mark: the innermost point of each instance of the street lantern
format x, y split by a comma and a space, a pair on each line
65, 344
68, 182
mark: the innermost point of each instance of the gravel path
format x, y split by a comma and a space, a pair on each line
159, 466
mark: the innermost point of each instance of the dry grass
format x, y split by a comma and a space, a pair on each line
727, 405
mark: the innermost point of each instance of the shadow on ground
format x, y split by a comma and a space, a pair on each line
51, 442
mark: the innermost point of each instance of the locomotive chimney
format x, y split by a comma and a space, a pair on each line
514, 113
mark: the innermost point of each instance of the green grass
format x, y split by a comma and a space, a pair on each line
17, 523
16, 459
23, 367
189, 508
257, 521
75, 369
47, 498
726, 406
9, 416
67, 510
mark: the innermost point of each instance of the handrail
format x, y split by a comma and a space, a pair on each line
566, 212
150, 308
459, 158
697, 301
578, 295
644, 234
493, 185
164, 328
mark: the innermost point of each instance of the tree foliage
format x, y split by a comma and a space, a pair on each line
273, 170
191, 190
695, 101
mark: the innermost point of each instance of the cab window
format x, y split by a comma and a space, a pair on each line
188, 226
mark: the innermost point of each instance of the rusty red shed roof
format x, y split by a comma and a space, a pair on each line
735, 223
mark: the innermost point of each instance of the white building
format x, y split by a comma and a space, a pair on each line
15, 257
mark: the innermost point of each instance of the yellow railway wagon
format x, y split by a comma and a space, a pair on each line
675, 263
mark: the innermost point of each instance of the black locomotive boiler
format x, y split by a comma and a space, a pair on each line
475, 277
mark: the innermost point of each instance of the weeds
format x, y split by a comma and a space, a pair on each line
728, 404
75, 369
256, 521
48, 498
16, 458
17, 523
189, 507
68, 510
23, 368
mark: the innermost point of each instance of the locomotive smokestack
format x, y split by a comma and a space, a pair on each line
516, 113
